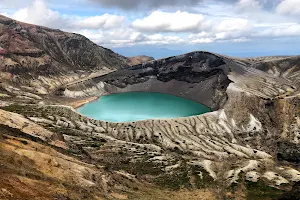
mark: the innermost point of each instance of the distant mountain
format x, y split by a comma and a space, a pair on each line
153, 51
139, 59
30, 50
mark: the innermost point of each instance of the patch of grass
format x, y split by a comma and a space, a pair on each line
96, 144
261, 191
121, 160
174, 181
14, 108
28, 110
185, 176
205, 181
25, 110
142, 167
63, 130
293, 194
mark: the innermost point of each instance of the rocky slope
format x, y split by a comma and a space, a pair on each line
31, 161
42, 59
247, 148
29, 50
198, 76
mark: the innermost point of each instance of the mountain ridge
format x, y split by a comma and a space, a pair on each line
37, 55
52, 50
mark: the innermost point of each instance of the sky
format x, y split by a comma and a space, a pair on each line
160, 28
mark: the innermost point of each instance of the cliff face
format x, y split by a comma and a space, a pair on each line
29, 51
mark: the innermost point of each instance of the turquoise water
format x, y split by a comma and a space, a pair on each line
134, 106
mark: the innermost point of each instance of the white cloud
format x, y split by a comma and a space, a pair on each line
103, 21
219, 37
232, 29
38, 13
248, 5
145, 4
290, 7
220, 21
14, 4
162, 39
292, 30
241, 39
159, 21
201, 40
127, 37
202, 30
115, 37
232, 24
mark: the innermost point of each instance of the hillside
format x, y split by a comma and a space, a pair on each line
29, 50
52, 57
247, 148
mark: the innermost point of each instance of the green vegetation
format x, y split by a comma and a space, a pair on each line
185, 176
27, 110
63, 130
122, 161
260, 191
20, 109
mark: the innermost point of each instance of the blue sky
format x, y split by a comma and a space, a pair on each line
131, 27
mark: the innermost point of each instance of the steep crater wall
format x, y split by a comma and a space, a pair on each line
198, 76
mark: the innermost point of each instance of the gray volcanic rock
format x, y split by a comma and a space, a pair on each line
199, 76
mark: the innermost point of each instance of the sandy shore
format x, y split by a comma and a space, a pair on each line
78, 103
